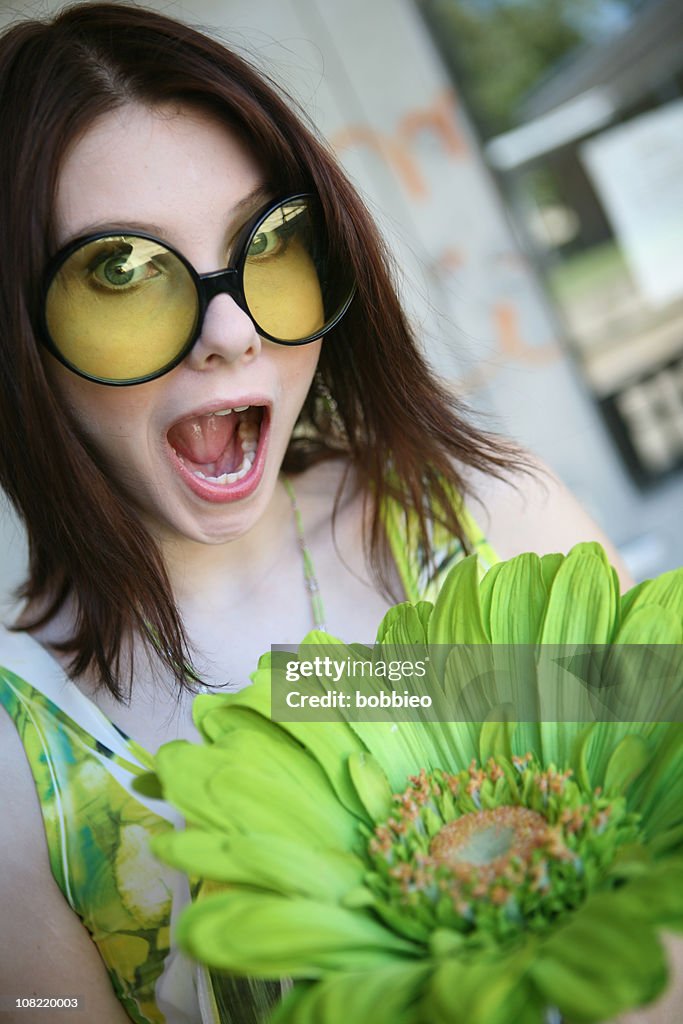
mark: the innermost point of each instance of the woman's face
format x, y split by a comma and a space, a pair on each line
183, 176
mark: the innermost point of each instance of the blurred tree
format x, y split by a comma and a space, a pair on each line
498, 50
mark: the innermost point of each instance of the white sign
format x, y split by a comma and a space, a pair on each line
637, 170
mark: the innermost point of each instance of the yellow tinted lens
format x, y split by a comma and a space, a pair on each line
281, 278
121, 308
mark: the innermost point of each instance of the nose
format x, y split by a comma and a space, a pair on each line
227, 334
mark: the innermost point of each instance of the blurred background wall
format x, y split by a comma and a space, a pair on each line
525, 161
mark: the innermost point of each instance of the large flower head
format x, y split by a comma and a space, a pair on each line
454, 872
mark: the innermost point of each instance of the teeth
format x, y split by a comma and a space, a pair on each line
226, 412
248, 435
230, 478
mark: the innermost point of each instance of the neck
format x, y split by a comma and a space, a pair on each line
232, 568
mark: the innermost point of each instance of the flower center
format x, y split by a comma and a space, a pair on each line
493, 849
489, 840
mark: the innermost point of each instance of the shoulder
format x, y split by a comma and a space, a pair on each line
535, 511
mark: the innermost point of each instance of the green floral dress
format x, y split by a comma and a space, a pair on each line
98, 831
98, 828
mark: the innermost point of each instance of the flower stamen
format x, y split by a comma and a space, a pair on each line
479, 851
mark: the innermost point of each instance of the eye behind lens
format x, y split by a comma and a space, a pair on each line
120, 309
289, 287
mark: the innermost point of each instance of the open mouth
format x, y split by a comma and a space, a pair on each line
220, 447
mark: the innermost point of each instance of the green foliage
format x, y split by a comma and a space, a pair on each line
499, 49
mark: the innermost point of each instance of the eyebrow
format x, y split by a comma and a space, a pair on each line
250, 202
260, 193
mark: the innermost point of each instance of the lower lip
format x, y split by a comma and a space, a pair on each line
222, 493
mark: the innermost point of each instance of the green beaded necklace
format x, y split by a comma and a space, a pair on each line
310, 580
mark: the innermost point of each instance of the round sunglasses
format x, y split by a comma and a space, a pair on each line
123, 307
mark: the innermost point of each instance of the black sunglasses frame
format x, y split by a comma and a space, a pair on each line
229, 281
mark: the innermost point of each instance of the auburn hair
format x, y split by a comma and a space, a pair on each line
404, 435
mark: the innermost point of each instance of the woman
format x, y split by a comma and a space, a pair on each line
197, 319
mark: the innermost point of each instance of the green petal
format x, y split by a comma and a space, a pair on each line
445, 943
579, 760
603, 739
643, 681
518, 601
424, 610
272, 862
549, 566
185, 773
658, 894
469, 688
628, 760
485, 991
385, 995
456, 618
405, 623
656, 794
628, 598
371, 785
486, 589
402, 748
209, 710
289, 1011
667, 840
404, 627
666, 591
394, 615
279, 789
651, 624
494, 741
273, 937
330, 743
605, 960
583, 603
402, 921
565, 708
148, 784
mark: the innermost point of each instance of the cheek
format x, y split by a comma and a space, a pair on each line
295, 368
297, 371
105, 416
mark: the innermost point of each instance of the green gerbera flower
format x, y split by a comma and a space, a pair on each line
424, 872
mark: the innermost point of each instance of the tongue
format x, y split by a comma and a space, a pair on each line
203, 439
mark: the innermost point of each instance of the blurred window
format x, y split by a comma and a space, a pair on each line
579, 107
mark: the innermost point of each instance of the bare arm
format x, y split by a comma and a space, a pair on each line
44, 948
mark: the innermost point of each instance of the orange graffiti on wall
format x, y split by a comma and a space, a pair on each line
440, 119
399, 150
